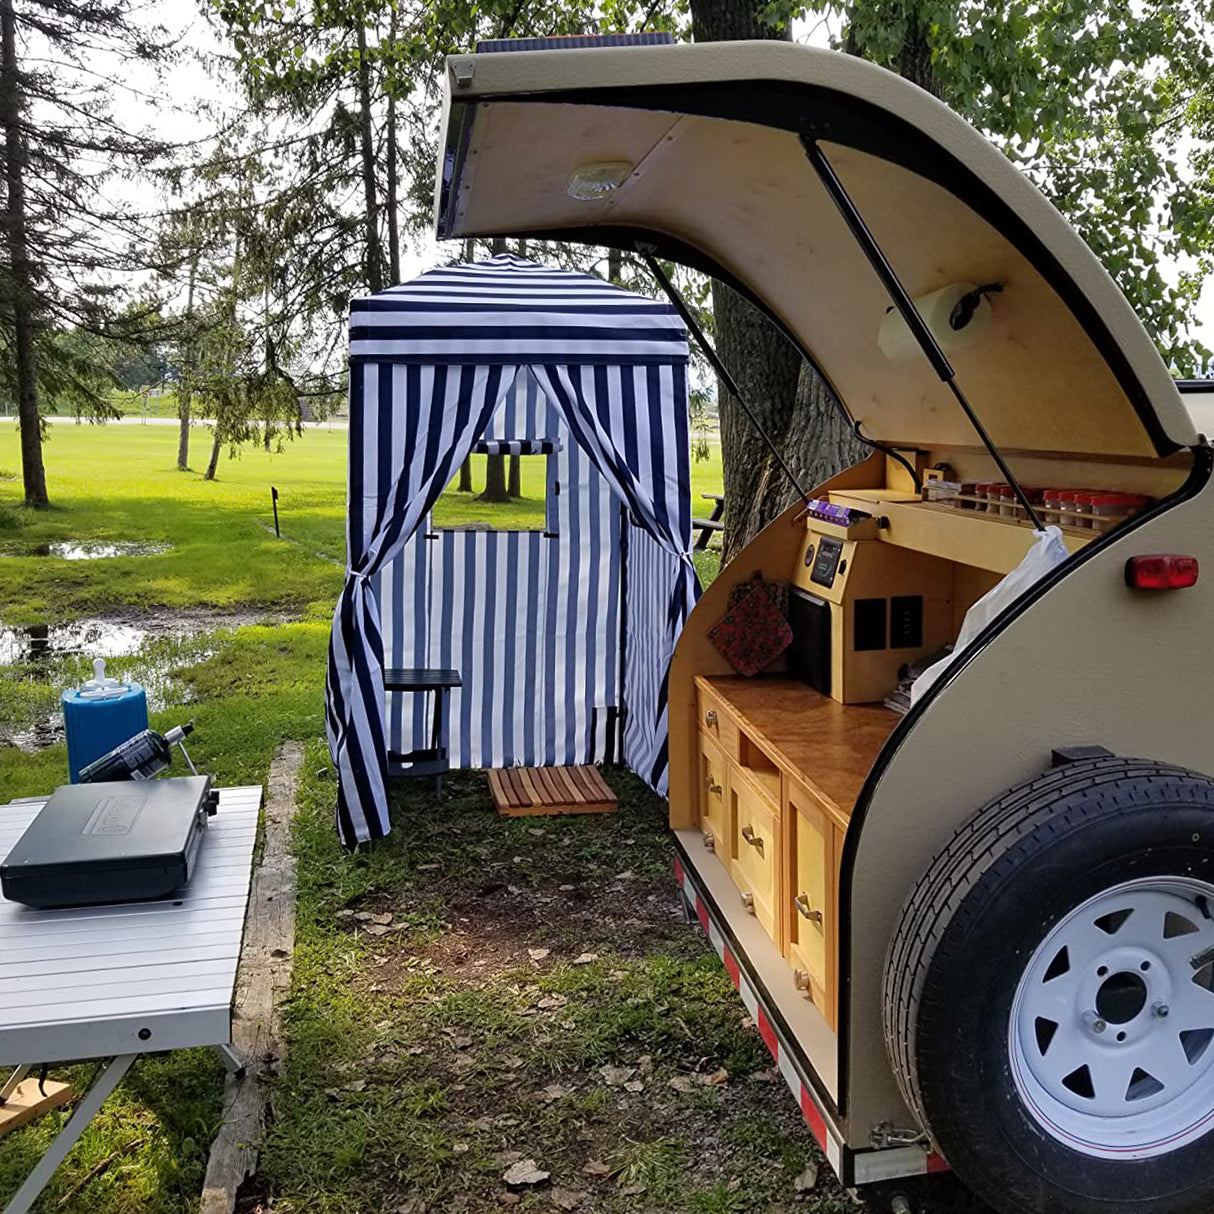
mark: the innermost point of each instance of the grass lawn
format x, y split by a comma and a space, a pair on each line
527, 988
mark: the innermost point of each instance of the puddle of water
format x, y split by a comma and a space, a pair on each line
58, 656
85, 551
41, 734
88, 638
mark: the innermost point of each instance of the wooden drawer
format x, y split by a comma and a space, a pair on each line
810, 909
713, 800
717, 722
756, 867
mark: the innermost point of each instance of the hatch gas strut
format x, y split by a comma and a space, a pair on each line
910, 314
717, 365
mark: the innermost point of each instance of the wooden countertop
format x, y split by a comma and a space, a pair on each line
828, 745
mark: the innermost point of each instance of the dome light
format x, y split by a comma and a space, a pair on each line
593, 181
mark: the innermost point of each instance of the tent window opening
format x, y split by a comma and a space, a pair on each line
507, 486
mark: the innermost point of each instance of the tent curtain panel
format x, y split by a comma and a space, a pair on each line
445, 410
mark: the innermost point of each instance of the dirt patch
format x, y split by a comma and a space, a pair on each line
500, 926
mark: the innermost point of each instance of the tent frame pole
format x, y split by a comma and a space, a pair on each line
623, 709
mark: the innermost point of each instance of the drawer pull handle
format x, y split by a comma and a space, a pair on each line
801, 979
748, 901
801, 902
709, 841
748, 833
713, 787
710, 717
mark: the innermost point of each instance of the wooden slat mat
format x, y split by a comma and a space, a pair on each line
519, 791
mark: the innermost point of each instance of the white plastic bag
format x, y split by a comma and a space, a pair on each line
1047, 553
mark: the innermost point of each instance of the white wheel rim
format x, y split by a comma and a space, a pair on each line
1111, 1037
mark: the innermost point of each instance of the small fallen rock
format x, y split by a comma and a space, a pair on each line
808, 1178
548, 1002
682, 1083
553, 1092
634, 1085
538, 954
585, 959
595, 1167
429, 868
565, 889
567, 1199
510, 1199
363, 916
616, 1076
377, 929
524, 1172
383, 919
632, 1190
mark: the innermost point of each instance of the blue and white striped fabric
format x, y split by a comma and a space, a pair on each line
516, 446
511, 352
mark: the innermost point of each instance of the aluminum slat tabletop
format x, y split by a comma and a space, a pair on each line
93, 982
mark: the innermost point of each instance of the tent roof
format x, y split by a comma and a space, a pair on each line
514, 312
718, 177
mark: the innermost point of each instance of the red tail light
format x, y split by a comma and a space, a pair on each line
1165, 571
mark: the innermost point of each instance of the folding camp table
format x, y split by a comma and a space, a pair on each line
114, 982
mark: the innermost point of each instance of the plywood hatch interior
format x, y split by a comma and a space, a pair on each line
1073, 375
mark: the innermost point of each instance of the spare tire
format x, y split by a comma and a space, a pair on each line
1049, 994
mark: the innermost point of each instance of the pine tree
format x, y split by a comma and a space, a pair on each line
66, 243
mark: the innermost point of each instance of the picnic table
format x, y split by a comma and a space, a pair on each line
113, 982
706, 526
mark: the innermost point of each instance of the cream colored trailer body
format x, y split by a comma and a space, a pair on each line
709, 143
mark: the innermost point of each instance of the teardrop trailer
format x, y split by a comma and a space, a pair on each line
981, 932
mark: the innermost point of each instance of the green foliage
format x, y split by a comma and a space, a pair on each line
1105, 105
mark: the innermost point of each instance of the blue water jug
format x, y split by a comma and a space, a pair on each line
102, 714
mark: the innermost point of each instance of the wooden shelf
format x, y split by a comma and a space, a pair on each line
983, 541
828, 746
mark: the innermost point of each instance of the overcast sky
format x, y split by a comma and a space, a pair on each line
188, 81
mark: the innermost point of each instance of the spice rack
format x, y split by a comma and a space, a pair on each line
1077, 509
993, 542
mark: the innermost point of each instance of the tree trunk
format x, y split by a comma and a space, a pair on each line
185, 389
766, 368
465, 477
390, 199
213, 462
793, 406
615, 266
495, 480
375, 260
21, 275
515, 488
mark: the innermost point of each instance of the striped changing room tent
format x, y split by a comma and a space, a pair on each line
563, 636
